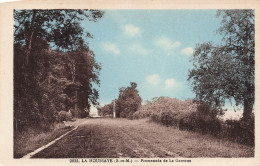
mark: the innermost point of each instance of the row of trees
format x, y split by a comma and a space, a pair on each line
54, 69
127, 103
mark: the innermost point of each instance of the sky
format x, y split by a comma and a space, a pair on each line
150, 47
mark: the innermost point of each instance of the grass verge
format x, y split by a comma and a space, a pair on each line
32, 138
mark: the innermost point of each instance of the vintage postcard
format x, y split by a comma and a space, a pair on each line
129, 82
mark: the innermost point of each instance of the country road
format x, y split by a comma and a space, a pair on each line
113, 138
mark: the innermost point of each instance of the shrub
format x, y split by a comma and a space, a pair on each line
166, 110
64, 116
188, 115
242, 131
203, 120
167, 118
187, 123
199, 117
207, 124
106, 110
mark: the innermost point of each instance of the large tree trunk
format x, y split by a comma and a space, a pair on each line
248, 107
249, 100
30, 38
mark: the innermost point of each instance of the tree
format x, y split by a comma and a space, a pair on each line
60, 27
128, 101
85, 72
227, 71
106, 110
42, 76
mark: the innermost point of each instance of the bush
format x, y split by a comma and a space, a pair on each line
106, 110
64, 116
186, 115
199, 117
201, 123
168, 118
242, 131
166, 110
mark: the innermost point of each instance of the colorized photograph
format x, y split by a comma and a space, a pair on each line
91, 83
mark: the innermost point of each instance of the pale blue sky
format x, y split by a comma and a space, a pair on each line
149, 47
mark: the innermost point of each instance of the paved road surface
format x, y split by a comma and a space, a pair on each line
113, 138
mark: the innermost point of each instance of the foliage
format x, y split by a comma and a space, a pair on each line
187, 114
201, 123
199, 117
84, 72
126, 105
128, 101
106, 110
64, 116
241, 130
165, 107
48, 81
60, 27
227, 71
56, 91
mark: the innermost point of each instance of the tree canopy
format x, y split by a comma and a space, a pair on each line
54, 69
227, 71
60, 28
128, 101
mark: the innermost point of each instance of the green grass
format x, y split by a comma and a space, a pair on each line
32, 138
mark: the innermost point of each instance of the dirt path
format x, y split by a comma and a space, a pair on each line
112, 138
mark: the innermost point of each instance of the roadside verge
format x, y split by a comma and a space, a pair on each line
49, 144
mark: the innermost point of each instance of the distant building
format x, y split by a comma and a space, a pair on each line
93, 112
